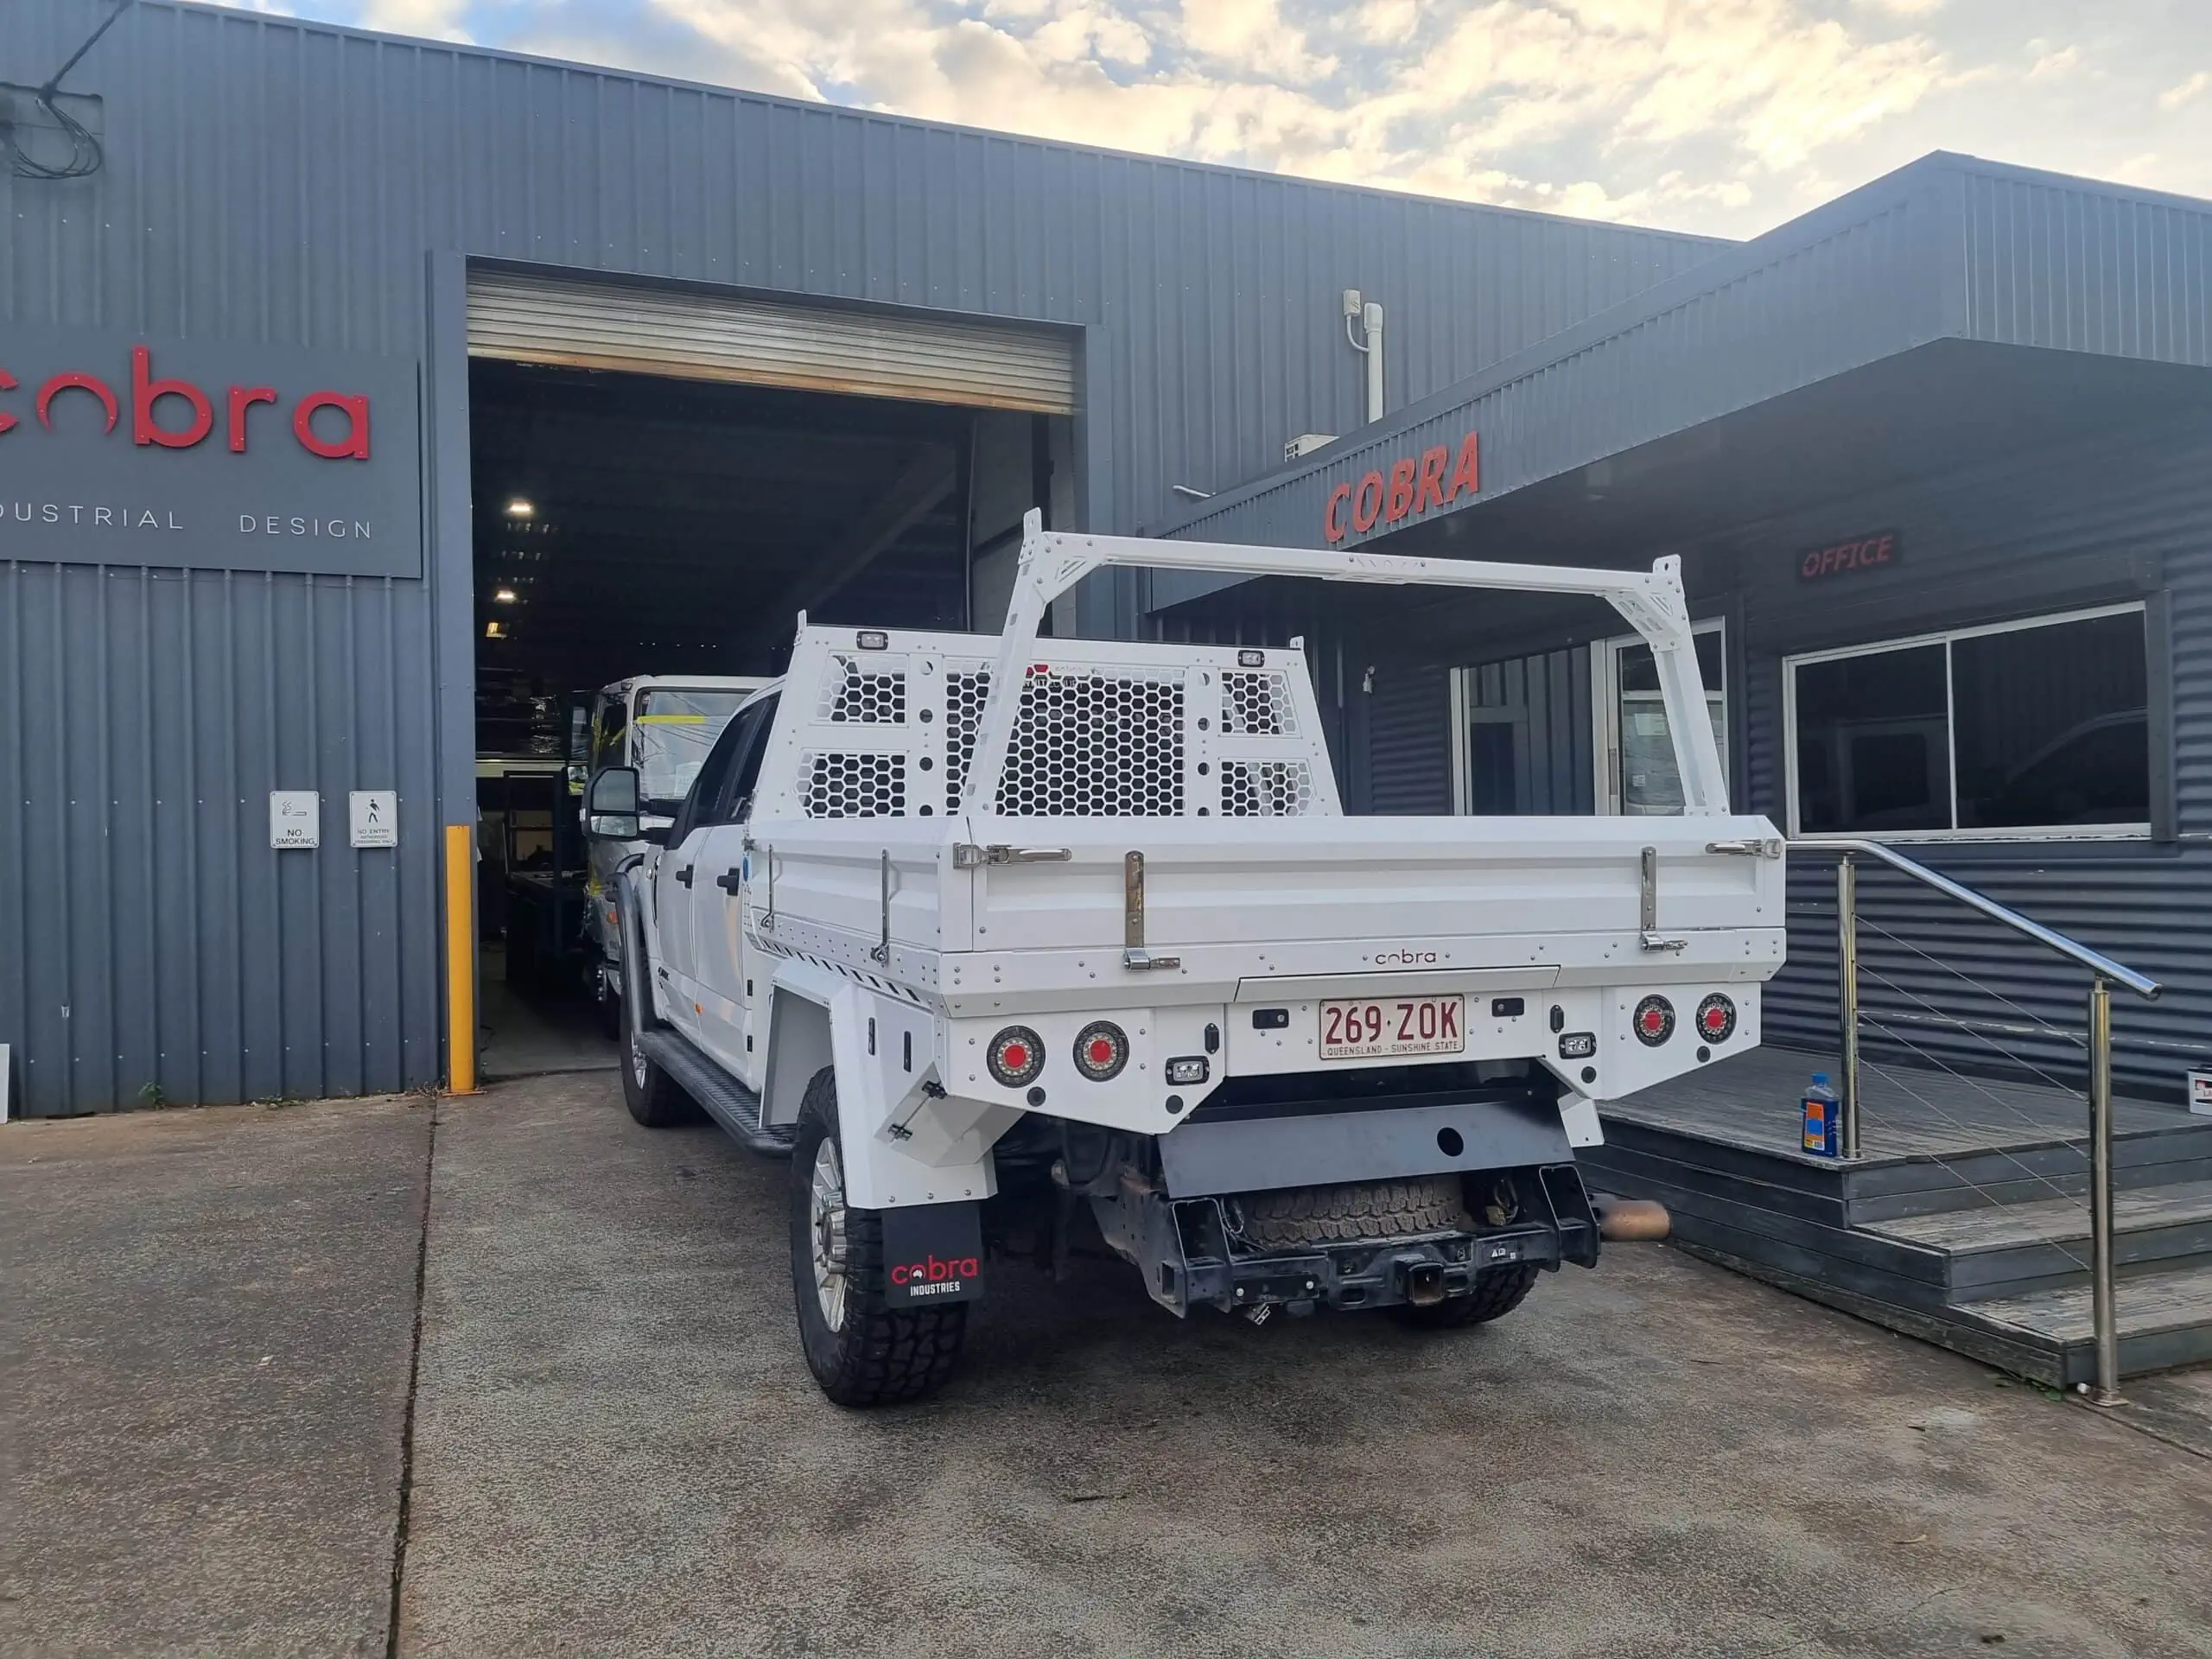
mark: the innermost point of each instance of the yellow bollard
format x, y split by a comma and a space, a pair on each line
461, 958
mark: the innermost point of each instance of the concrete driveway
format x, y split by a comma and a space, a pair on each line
615, 1449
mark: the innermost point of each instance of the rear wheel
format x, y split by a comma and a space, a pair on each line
651, 1094
1496, 1294
861, 1352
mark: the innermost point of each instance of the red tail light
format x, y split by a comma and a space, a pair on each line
1017, 1056
1102, 1049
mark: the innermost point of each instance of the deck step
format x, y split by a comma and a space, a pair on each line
2051, 1221
2022, 1248
2165, 1320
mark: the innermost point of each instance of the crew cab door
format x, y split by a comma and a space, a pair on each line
721, 959
676, 888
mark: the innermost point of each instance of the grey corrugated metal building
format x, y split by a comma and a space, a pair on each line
190, 624
1935, 456
1938, 459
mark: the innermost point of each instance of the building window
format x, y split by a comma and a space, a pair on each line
1636, 750
2037, 728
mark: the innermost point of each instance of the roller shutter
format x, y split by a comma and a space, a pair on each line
814, 348
1409, 741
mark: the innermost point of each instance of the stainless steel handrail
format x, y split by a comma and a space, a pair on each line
2095, 961
2102, 969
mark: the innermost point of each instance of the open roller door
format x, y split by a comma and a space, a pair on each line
662, 479
693, 335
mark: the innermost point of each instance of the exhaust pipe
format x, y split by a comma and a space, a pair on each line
1622, 1220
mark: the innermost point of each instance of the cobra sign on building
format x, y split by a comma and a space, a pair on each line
1434, 478
120, 449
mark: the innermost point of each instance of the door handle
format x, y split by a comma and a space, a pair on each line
684, 875
730, 880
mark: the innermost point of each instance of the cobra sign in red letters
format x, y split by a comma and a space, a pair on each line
117, 449
1415, 483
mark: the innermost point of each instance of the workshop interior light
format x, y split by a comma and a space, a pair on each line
503, 596
495, 630
520, 507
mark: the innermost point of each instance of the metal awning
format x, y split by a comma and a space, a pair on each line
1925, 301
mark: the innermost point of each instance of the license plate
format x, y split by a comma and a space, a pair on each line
1399, 1024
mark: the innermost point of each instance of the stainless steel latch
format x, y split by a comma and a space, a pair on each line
966, 855
882, 952
1648, 935
1759, 847
1133, 955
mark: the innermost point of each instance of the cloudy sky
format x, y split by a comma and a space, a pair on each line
1726, 116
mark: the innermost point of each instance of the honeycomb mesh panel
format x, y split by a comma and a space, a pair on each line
1095, 746
865, 696
963, 714
843, 785
1257, 703
1266, 789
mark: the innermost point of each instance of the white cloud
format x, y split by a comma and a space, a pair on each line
437, 20
2174, 97
1722, 114
2062, 61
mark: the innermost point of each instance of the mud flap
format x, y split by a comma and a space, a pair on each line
932, 1253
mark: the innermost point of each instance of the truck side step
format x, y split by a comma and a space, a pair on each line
736, 1107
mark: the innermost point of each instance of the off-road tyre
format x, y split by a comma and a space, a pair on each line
654, 1098
1355, 1210
879, 1356
1496, 1293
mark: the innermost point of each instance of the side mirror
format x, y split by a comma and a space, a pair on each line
611, 805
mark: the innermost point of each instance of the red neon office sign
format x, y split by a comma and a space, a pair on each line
1416, 484
1847, 558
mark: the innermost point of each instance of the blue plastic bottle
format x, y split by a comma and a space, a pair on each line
1823, 1109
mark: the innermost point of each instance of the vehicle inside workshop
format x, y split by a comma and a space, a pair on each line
644, 545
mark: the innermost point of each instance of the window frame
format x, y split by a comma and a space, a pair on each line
752, 750
2143, 830
1607, 797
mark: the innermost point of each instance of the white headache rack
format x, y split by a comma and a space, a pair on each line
1652, 602
889, 721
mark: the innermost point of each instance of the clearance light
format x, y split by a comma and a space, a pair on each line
520, 508
1102, 1049
1017, 1056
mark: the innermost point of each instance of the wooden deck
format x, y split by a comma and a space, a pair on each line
1965, 1220
1752, 1102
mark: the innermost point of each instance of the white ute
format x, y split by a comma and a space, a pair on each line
987, 933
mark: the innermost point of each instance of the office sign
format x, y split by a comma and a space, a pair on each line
1853, 557
120, 448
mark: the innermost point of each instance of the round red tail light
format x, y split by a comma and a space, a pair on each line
1654, 1021
1102, 1049
1716, 1019
1017, 1056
